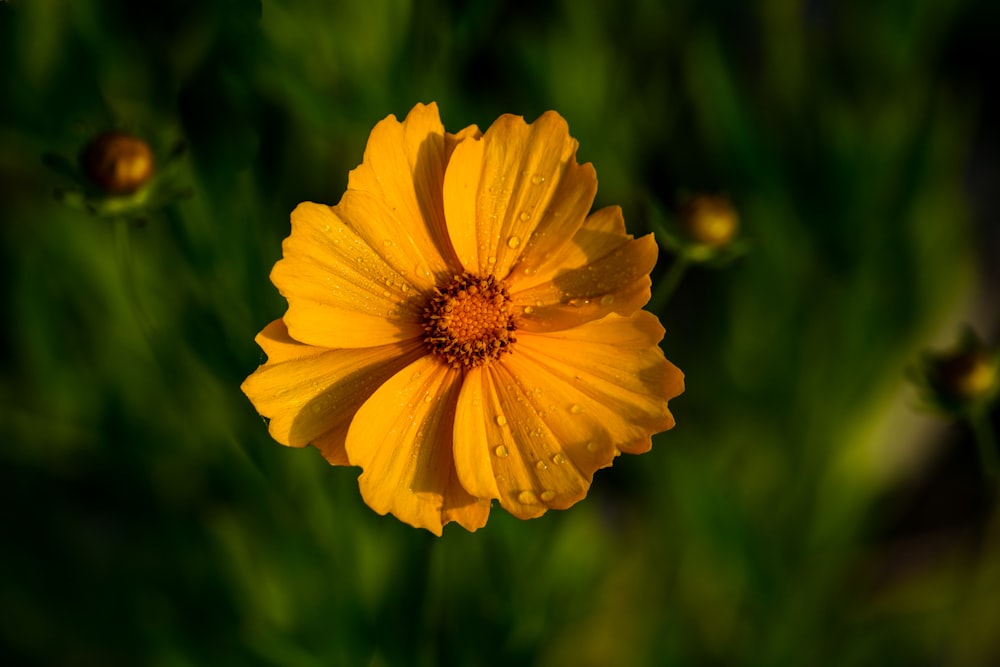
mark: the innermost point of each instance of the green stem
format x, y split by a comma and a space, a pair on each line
123, 253
986, 442
666, 287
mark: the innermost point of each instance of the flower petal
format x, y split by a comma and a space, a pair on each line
476, 434
402, 438
562, 406
516, 195
613, 277
340, 290
403, 169
310, 393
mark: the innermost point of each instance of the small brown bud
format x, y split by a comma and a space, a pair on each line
965, 376
117, 163
963, 379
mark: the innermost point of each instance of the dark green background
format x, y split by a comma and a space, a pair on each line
803, 512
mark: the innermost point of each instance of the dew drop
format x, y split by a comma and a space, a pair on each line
404, 287
528, 310
592, 446
501, 451
575, 409
537, 179
607, 300
501, 420
525, 216
491, 260
387, 243
527, 498
542, 465
427, 398
548, 495
558, 459
513, 242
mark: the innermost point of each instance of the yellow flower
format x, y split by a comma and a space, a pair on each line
460, 328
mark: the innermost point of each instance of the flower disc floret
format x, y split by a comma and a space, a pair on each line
469, 322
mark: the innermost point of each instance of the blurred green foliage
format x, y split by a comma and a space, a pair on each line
801, 513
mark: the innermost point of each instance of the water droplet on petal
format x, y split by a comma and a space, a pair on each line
537, 179
528, 310
513, 242
491, 260
387, 243
575, 409
501, 451
501, 420
525, 216
607, 300
592, 446
542, 465
548, 495
427, 398
527, 498
416, 374
558, 459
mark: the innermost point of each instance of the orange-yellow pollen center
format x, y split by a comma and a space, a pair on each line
468, 322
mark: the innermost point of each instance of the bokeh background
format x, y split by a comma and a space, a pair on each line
804, 511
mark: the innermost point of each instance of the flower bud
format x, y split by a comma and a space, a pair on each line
965, 376
117, 163
710, 220
960, 379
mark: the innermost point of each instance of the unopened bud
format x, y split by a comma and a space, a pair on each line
117, 163
961, 379
965, 376
710, 220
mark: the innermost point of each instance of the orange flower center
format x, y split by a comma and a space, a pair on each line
468, 322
